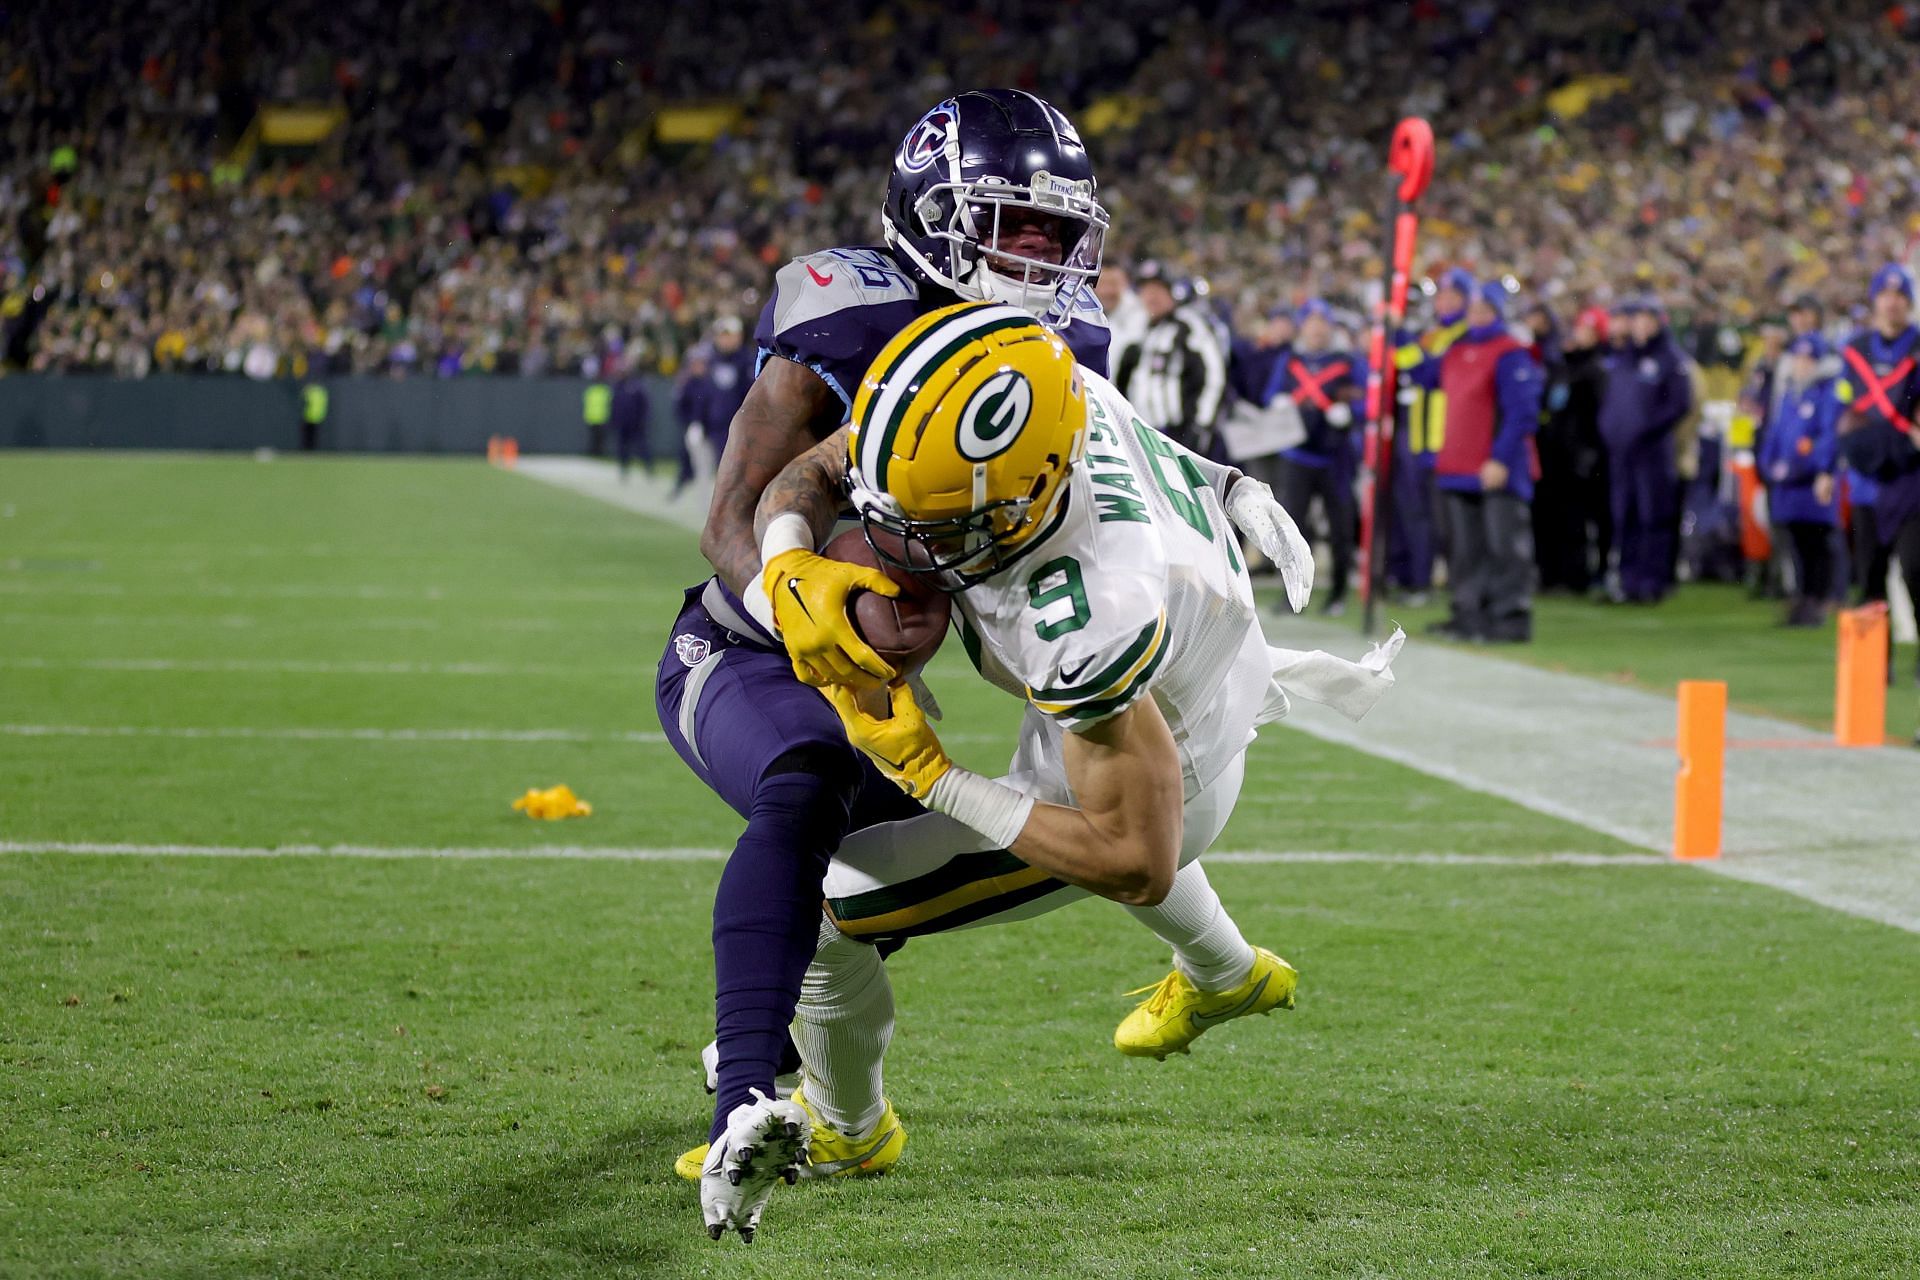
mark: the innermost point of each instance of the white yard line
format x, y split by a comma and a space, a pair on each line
613, 853
50, 585
1556, 858
304, 624
1839, 827
299, 666
326, 733
322, 734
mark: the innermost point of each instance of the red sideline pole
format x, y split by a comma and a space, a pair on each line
1410, 156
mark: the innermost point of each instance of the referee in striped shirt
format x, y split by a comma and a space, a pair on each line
1176, 374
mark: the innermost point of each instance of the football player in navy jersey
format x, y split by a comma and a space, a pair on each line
992, 196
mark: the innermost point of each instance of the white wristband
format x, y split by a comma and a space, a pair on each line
989, 806
759, 606
788, 531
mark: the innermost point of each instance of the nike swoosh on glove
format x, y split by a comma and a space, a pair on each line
809, 594
1258, 514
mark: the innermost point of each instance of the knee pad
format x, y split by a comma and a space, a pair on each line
805, 800
837, 763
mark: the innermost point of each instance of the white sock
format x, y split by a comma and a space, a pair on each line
841, 1027
1206, 943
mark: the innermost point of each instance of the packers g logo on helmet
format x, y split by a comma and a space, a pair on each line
994, 414
964, 431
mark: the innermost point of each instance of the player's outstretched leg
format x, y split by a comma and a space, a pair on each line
842, 1026
763, 1144
1216, 976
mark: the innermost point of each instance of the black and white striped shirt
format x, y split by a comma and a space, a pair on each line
1175, 375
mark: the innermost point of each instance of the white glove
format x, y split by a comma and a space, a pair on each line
695, 434
1339, 414
1255, 512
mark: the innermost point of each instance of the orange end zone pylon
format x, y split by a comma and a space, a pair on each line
1700, 785
1860, 678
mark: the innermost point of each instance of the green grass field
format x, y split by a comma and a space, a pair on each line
386, 1066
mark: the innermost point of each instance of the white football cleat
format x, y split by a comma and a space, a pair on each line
765, 1144
783, 1086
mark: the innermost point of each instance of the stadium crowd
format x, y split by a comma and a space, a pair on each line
1654, 177
495, 202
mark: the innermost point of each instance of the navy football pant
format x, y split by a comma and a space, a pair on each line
774, 750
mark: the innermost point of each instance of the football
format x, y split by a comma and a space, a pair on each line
905, 630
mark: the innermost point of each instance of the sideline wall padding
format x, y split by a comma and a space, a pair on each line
372, 415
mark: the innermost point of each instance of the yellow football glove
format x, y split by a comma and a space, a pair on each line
903, 744
809, 594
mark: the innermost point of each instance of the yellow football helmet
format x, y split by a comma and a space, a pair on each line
964, 431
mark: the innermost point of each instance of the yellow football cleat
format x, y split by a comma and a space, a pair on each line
1177, 1012
829, 1154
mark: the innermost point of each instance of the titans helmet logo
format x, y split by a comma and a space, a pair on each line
928, 140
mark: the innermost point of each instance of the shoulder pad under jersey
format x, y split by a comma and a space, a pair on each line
834, 310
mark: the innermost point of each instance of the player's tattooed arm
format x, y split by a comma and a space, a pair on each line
787, 409
813, 486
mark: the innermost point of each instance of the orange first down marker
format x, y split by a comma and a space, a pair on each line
1700, 785
1860, 684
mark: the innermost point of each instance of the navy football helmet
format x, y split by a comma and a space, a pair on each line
992, 198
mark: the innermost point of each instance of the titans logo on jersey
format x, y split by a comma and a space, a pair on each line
834, 310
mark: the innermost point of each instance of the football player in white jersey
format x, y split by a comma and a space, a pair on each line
1097, 578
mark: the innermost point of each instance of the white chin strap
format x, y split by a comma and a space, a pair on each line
1034, 298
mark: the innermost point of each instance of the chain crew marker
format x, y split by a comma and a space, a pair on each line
1700, 785
1860, 678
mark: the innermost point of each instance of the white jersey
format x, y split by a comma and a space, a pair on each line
1138, 587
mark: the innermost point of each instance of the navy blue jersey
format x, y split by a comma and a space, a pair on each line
832, 311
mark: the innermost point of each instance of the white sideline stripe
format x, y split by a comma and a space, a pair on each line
1833, 827
299, 666
613, 853
641, 492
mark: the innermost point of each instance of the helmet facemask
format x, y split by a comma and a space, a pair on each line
969, 217
956, 552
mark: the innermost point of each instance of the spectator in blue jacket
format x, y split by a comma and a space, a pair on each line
1328, 383
1648, 394
1486, 469
1797, 454
1879, 426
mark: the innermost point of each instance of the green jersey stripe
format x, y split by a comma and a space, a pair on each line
1087, 714
1112, 672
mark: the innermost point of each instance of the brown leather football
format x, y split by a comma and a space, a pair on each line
905, 630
